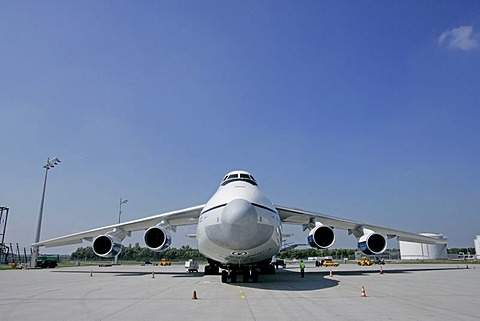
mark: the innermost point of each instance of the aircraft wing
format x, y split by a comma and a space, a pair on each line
306, 218
187, 216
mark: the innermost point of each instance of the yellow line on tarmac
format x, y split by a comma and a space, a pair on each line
241, 291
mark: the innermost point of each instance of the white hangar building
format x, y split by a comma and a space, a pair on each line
476, 242
420, 251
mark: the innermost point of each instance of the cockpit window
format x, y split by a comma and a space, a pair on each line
238, 177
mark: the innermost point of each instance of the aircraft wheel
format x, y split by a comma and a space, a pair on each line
233, 276
246, 276
224, 276
254, 276
272, 269
208, 270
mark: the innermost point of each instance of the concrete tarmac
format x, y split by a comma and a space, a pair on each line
402, 292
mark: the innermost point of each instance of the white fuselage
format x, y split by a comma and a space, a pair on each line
239, 225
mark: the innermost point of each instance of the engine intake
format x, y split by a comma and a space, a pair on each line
372, 243
321, 237
157, 238
106, 246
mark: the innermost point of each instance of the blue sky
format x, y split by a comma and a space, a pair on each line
362, 110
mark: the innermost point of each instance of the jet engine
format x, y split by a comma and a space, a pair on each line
372, 243
321, 237
107, 246
157, 238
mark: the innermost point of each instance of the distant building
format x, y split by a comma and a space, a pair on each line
420, 251
476, 242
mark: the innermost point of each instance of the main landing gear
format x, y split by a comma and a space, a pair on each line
233, 273
248, 274
211, 270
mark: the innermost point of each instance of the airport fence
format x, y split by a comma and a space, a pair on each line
12, 253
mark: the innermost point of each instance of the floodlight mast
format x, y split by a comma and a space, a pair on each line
122, 201
48, 165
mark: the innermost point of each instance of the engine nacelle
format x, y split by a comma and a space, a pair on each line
107, 246
321, 237
157, 238
372, 243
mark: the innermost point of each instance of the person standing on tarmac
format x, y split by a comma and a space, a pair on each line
302, 268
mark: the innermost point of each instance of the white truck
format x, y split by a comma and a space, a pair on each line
191, 266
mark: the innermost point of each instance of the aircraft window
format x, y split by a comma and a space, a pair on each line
238, 177
253, 179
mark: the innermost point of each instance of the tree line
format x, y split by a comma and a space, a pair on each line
139, 254
464, 250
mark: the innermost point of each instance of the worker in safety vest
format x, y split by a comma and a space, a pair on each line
302, 268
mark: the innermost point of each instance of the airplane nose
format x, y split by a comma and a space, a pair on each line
239, 213
239, 228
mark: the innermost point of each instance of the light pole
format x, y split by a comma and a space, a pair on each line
50, 164
122, 201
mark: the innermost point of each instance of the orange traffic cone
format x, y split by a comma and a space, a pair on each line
381, 270
331, 274
364, 295
194, 295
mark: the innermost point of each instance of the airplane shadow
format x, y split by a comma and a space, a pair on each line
282, 280
319, 279
285, 280
391, 271
133, 273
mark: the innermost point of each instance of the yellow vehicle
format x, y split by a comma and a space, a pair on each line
165, 262
329, 262
365, 261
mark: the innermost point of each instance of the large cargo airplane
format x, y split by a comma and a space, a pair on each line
239, 230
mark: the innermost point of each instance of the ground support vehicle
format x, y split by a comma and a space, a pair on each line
165, 262
329, 262
379, 261
191, 266
48, 260
364, 261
